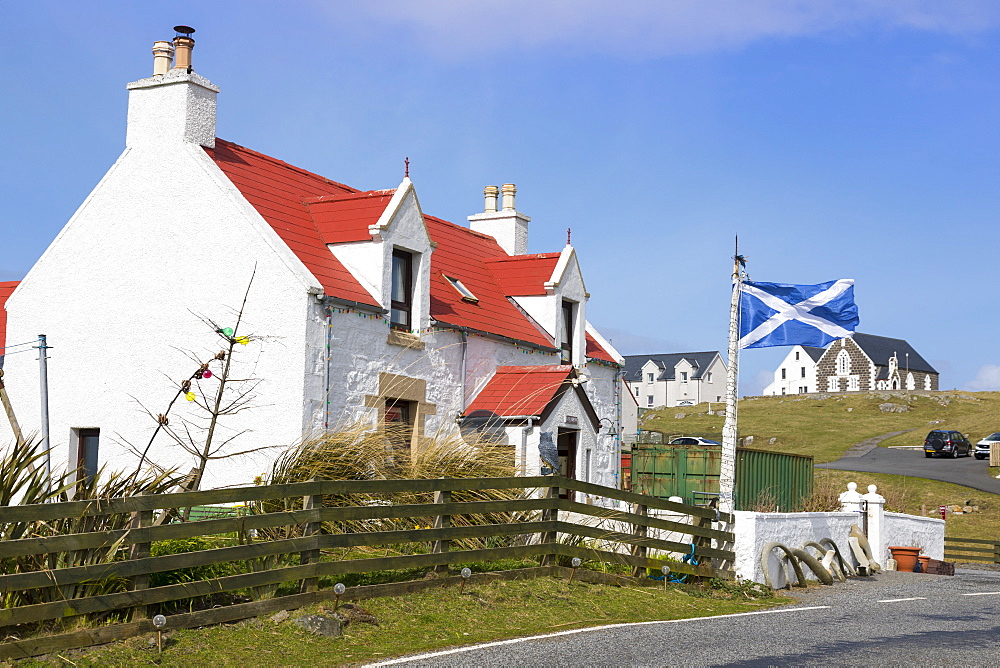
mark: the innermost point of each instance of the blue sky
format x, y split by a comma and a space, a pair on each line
838, 139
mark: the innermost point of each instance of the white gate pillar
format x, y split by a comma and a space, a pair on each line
876, 524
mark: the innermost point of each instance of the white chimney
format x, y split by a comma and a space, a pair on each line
508, 226
174, 105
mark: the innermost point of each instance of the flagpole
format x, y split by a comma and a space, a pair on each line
727, 475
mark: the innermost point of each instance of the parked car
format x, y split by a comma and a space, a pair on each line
983, 446
693, 440
946, 443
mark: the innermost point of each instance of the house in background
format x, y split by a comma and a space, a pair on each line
6, 289
866, 362
797, 372
676, 379
359, 307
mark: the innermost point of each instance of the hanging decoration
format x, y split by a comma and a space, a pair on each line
189, 396
227, 331
242, 340
207, 373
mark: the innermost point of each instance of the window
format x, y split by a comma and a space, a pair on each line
649, 400
649, 378
684, 376
803, 373
399, 423
87, 444
783, 374
796, 355
462, 290
783, 390
853, 384
843, 363
708, 377
832, 384
401, 308
567, 332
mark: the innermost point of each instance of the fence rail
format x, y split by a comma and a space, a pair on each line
972, 549
65, 581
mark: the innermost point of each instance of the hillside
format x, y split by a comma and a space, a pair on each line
825, 425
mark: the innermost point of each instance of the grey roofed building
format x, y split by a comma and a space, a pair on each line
866, 362
880, 350
814, 353
675, 379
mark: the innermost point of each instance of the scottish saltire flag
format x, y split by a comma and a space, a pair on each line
778, 314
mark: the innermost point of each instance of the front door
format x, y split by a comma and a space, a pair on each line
566, 445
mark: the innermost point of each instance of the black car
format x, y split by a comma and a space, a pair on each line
947, 444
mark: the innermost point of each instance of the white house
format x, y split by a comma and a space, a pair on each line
676, 379
358, 306
797, 372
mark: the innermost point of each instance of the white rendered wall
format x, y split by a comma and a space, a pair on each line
927, 533
793, 374
162, 240
755, 530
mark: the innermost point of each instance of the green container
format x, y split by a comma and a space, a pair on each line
764, 480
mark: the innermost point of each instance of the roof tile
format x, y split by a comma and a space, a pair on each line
521, 390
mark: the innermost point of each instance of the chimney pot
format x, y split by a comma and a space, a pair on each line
184, 44
508, 190
163, 56
491, 193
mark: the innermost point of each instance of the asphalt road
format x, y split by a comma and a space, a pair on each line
967, 471
888, 619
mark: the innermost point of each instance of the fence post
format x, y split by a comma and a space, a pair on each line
310, 556
639, 531
441, 522
550, 515
140, 520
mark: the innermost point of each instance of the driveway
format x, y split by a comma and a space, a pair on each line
889, 619
967, 471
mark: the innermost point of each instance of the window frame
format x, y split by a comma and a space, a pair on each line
405, 305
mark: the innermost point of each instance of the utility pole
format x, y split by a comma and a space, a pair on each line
9, 409
43, 380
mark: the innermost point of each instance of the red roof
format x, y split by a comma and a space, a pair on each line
521, 390
462, 254
279, 192
596, 351
523, 274
6, 288
345, 218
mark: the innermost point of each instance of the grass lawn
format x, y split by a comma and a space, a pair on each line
824, 426
434, 619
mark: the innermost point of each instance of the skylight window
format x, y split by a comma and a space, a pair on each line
462, 290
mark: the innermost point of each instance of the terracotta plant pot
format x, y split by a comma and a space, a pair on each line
923, 559
906, 557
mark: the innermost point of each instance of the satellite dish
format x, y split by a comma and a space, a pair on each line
482, 426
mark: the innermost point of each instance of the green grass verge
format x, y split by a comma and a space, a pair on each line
423, 622
824, 426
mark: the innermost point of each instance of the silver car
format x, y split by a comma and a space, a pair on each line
983, 446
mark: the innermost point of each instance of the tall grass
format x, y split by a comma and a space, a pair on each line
357, 452
23, 482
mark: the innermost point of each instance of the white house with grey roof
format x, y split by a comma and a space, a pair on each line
797, 372
676, 379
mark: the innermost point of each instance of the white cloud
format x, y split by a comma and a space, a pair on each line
987, 378
652, 28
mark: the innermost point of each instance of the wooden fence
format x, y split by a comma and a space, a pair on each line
539, 531
971, 549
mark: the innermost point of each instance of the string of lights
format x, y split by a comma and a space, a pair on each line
17, 345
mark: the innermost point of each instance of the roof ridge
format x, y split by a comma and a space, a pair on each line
348, 196
287, 164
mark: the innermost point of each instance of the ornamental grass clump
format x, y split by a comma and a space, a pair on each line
356, 451
23, 482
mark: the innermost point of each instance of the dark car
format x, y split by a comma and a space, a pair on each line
947, 444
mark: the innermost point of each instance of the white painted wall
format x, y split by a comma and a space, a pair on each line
161, 241
927, 533
793, 374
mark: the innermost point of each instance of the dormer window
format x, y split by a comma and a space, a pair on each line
462, 290
567, 332
401, 307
